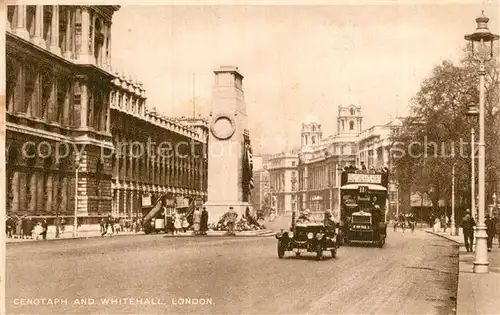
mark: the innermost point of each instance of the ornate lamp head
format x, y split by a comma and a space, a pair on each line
482, 37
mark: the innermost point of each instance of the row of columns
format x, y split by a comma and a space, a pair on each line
17, 24
176, 172
158, 172
30, 102
39, 192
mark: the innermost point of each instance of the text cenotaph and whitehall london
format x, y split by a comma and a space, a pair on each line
227, 146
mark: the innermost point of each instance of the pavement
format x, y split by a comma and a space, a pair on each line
476, 293
414, 273
92, 231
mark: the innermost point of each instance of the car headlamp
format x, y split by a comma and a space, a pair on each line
290, 234
319, 236
310, 235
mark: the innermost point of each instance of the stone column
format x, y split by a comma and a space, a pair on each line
84, 53
32, 196
14, 206
69, 23
38, 38
108, 45
65, 109
117, 201
40, 192
107, 105
49, 195
20, 29
84, 103
54, 32
132, 196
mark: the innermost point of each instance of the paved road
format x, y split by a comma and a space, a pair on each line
412, 274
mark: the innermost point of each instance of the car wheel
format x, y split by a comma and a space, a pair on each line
281, 250
334, 253
381, 242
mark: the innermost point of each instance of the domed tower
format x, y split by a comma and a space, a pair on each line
311, 131
349, 119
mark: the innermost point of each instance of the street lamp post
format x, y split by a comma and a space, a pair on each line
453, 229
482, 36
473, 112
75, 214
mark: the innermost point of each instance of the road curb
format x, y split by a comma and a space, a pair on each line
71, 238
445, 237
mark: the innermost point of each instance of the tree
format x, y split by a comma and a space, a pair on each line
436, 135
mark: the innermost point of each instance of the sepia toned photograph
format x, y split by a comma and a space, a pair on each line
191, 157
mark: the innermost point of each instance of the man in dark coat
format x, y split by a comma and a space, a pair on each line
490, 231
45, 227
204, 222
468, 224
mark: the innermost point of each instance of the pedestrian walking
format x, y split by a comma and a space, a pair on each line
177, 223
19, 227
37, 231
231, 221
468, 224
443, 223
204, 221
9, 226
185, 223
196, 221
45, 227
490, 231
102, 225
109, 227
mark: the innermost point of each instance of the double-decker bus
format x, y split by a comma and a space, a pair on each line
363, 205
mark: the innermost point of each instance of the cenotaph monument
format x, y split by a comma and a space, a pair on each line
227, 143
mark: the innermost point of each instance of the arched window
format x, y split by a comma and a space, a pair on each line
353, 112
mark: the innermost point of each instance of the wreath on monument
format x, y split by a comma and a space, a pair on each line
226, 135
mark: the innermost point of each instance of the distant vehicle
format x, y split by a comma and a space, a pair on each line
307, 238
364, 197
154, 219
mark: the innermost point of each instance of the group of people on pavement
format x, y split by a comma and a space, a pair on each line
200, 221
25, 227
492, 229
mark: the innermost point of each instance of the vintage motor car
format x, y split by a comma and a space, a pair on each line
307, 237
365, 228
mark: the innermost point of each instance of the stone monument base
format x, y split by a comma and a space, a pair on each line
216, 209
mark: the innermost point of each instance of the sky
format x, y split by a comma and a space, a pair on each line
296, 60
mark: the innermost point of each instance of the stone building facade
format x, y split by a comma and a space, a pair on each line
322, 158
283, 181
58, 86
154, 154
67, 111
374, 149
